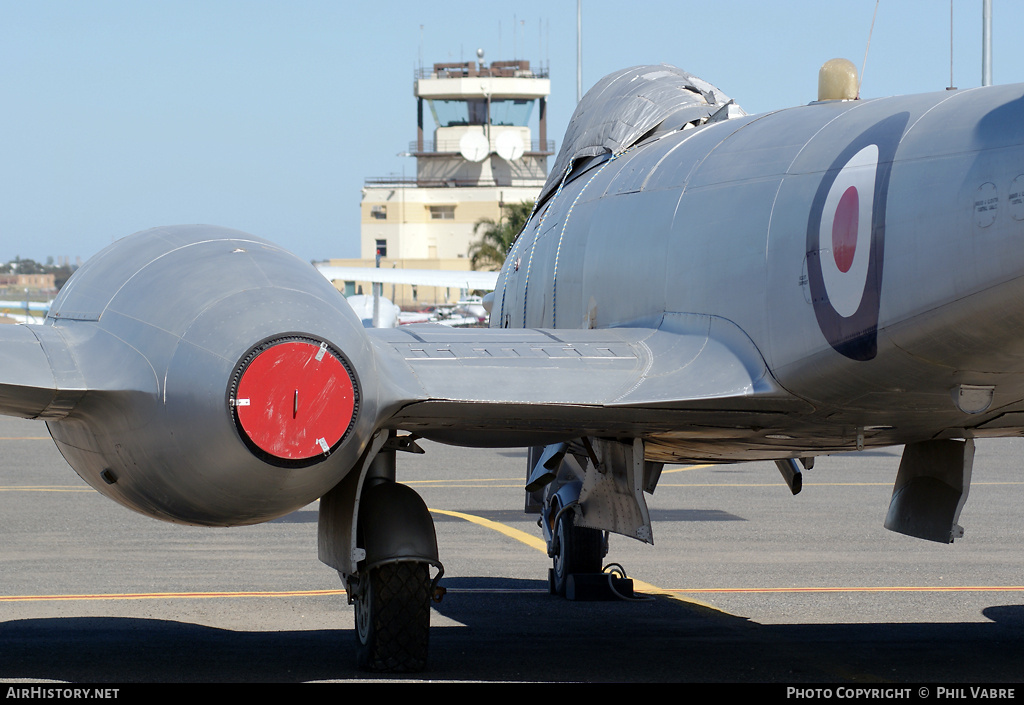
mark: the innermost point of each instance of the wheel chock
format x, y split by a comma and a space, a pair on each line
598, 587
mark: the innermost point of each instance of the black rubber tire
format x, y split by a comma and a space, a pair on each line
580, 551
393, 618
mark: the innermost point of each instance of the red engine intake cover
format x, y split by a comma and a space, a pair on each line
295, 399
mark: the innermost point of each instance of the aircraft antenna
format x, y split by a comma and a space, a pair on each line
547, 44
522, 31
951, 86
870, 31
986, 43
579, 51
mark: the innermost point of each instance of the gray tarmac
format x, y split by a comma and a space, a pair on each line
745, 583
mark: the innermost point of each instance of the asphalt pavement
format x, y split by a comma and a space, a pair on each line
745, 583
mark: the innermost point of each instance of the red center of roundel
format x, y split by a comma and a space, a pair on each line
844, 229
292, 404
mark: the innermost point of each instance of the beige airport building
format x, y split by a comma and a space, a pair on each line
482, 153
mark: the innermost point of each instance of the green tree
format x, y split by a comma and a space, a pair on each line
23, 266
496, 238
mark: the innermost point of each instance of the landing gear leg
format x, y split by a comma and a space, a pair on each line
379, 536
393, 589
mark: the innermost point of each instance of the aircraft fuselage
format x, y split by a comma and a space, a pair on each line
871, 250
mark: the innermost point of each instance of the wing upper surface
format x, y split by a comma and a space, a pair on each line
38, 377
628, 379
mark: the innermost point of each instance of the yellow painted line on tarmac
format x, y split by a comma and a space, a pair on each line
45, 488
532, 542
808, 484
518, 485
521, 536
481, 480
515, 485
911, 588
538, 544
685, 468
165, 595
646, 587
772, 484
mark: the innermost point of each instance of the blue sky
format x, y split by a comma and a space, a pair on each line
118, 115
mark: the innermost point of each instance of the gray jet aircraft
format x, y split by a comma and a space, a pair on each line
696, 284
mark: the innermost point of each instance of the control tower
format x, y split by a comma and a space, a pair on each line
481, 141
481, 118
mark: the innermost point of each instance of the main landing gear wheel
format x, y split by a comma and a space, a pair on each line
393, 618
578, 550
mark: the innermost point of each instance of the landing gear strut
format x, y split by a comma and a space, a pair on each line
379, 536
597, 483
392, 589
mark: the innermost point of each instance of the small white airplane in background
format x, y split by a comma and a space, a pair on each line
468, 311
20, 318
387, 313
32, 305
470, 281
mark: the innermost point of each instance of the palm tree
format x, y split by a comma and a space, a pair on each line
496, 238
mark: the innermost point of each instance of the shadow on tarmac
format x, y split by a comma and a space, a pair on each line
511, 629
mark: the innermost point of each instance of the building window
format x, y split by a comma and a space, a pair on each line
442, 212
379, 212
382, 248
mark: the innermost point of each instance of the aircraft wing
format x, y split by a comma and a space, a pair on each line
38, 378
483, 281
524, 386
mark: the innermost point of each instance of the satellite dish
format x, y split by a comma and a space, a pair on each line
474, 147
509, 145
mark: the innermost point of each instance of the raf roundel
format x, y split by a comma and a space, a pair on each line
846, 238
294, 400
845, 231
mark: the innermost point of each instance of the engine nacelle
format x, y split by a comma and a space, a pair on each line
228, 382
